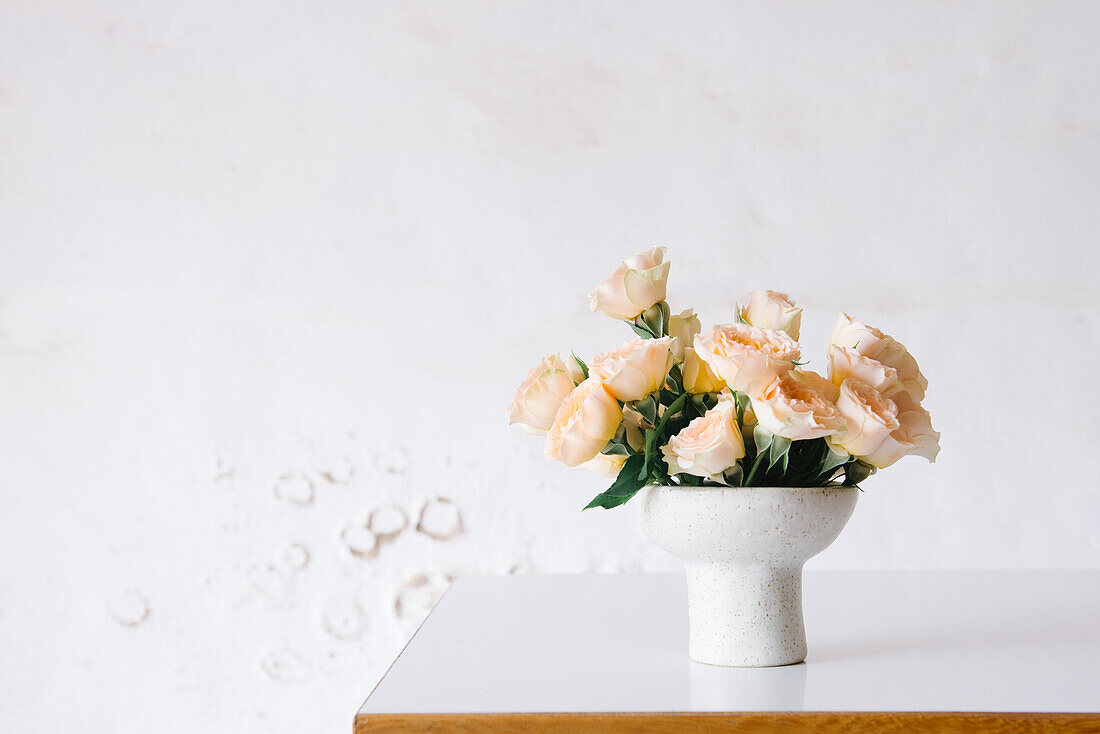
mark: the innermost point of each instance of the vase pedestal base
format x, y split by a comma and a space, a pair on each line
745, 616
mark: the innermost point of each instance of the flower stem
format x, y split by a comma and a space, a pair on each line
755, 466
653, 434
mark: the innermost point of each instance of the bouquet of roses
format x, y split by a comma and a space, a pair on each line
732, 406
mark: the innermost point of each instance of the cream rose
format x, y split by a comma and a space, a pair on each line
869, 418
698, 377
574, 370
635, 369
707, 446
773, 310
638, 283
747, 357
587, 419
914, 435
541, 393
798, 405
871, 342
682, 328
846, 363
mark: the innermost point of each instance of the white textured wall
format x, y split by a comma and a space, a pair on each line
267, 267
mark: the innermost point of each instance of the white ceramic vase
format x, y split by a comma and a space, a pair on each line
743, 550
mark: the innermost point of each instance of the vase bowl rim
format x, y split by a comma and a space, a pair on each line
687, 488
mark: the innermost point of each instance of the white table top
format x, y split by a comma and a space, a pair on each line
994, 641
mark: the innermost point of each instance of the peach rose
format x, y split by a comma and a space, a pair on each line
607, 465
917, 423
773, 310
682, 328
587, 419
845, 363
635, 369
747, 357
541, 393
698, 377
638, 283
707, 446
915, 435
798, 405
869, 417
870, 342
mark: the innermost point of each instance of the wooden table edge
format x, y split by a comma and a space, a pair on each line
756, 721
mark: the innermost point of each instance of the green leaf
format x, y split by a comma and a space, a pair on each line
832, 461
654, 319
657, 323
617, 449
641, 331
762, 438
742, 401
672, 410
652, 435
583, 366
778, 451
675, 379
650, 441
625, 486
734, 475
647, 407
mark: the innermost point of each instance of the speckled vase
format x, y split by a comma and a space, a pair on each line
743, 550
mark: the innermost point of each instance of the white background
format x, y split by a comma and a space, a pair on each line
323, 240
